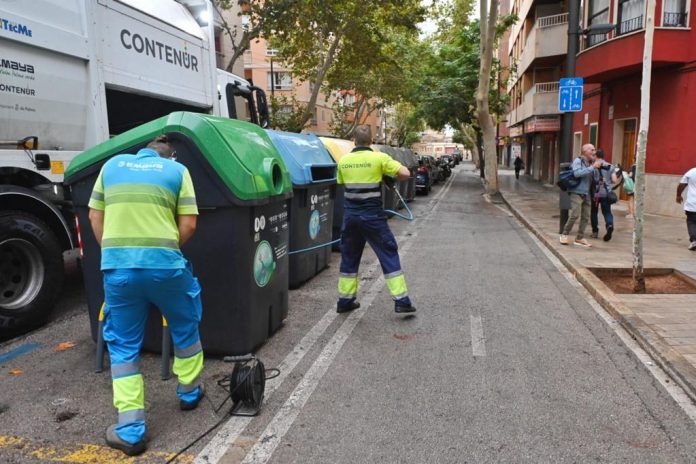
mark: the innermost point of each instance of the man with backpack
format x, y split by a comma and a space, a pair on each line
584, 169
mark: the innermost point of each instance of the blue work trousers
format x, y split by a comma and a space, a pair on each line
129, 295
373, 229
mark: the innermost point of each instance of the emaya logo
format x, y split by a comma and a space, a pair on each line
17, 28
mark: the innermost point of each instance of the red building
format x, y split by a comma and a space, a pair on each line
612, 67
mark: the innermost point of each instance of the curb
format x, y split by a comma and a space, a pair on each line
673, 363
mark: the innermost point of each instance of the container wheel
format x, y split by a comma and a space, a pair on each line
31, 272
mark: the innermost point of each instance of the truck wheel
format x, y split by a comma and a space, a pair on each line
31, 271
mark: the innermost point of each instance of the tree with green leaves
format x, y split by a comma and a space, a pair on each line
333, 43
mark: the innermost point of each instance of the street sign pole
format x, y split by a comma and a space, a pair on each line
565, 154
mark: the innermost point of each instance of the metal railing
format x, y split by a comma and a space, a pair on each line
555, 20
674, 20
630, 25
546, 87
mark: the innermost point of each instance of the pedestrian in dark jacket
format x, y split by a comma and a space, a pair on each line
519, 165
602, 197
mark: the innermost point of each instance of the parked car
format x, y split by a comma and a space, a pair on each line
435, 171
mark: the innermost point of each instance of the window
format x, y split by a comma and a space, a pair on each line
323, 116
675, 14
283, 80
630, 16
594, 127
313, 122
598, 14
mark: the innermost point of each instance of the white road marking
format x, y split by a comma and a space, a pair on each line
478, 341
674, 390
285, 417
228, 434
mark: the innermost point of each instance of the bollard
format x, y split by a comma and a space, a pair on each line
166, 349
99, 362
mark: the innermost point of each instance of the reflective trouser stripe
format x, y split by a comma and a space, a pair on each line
129, 393
131, 416
397, 286
188, 369
347, 287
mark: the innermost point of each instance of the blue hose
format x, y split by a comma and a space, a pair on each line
408, 218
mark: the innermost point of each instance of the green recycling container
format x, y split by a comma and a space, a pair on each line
239, 252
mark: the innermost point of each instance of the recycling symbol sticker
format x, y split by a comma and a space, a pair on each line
264, 264
314, 224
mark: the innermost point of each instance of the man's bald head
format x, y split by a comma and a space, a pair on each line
588, 152
362, 136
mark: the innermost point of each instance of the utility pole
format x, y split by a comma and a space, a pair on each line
565, 155
638, 270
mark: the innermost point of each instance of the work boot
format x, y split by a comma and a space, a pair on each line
564, 239
191, 405
400, 307
607, 236
347, 308
114, 441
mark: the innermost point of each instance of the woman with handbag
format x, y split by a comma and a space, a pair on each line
604, 197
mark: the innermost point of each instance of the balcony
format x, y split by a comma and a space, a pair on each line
542, 99
546, 44
620, 53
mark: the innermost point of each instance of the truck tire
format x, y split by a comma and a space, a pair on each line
31, 272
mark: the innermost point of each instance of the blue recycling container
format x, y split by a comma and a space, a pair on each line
313, 175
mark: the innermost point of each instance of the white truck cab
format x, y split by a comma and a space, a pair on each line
72, 74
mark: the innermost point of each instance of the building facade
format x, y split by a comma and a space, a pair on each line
537, 48
611, 65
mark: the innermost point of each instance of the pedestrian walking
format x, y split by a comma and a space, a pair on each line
142, 209
629, 190
584, 168
361, 172
689, 182
603, 197
519, 165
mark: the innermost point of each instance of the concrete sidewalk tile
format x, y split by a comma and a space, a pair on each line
664, 325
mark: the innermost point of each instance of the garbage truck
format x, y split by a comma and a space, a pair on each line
72, 75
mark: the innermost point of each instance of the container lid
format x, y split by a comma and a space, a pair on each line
391, 151
306, 158
337, 147
240, 153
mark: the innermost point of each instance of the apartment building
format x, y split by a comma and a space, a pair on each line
611, 65
537, 48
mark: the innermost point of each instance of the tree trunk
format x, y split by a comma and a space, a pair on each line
488, 25
638, 271
321, 73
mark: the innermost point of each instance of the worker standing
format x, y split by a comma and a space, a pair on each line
142, 209
361, 172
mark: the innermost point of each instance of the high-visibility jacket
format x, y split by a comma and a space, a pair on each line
361, 172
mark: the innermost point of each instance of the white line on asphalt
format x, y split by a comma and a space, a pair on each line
478, 342
285, 417
674, 390
235, 426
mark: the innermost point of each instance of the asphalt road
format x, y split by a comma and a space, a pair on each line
504, 362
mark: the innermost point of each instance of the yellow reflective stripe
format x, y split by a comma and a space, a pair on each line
187, 370
347, 286
129, 393
397, 286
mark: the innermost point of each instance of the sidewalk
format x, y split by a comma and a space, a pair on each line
664, 325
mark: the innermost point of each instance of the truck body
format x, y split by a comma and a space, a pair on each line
72, 74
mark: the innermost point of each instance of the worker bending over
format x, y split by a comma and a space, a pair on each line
142, 209
364, 220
